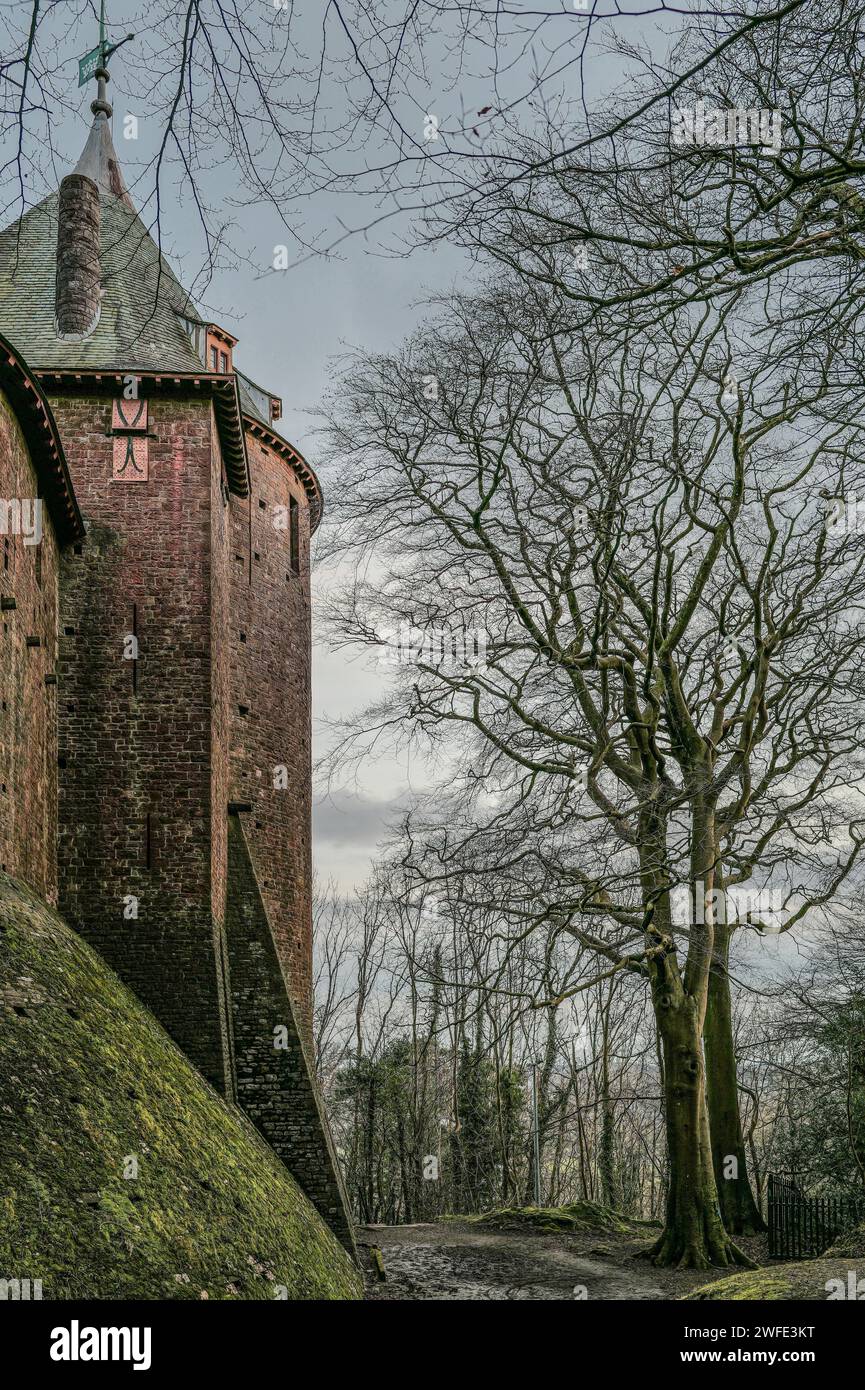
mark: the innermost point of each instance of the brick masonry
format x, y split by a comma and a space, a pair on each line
28, 720
270, 683
135, 734
78, 288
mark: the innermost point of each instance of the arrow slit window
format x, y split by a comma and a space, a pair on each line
294, 534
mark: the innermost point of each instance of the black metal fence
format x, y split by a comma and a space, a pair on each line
803, 1227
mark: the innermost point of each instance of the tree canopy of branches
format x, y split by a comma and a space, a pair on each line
670, 695
470, 120
433, 1079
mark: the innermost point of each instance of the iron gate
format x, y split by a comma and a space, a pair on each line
801, 1228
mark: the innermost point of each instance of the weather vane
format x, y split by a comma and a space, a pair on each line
93, 64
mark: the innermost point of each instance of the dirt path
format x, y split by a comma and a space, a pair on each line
452, 1260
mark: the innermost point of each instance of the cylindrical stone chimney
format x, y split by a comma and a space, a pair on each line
77, 288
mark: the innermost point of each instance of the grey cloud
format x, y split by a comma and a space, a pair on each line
343, 819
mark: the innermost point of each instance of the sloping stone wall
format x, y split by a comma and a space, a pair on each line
275, 1080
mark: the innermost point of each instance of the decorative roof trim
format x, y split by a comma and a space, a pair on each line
222, 333
229, 422
40, 431
222, 389
307, 476
275, 402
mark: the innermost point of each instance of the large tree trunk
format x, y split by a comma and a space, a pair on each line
739, 1211
694, 1236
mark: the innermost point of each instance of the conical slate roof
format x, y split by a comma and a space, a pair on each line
99, 159
139, 327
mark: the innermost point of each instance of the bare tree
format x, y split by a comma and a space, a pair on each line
671, 632
433, 1109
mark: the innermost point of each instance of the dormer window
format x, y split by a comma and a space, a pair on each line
220, 345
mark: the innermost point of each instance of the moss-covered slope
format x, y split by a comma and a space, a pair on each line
808, 1281
577, 1216
91, 1089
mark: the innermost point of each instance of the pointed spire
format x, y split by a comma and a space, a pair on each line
99, 160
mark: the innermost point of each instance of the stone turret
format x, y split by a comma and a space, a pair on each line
78, 286
78, 289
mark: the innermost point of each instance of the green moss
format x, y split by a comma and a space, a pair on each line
804, 1280
850, 1243
753, 1284
578, 1216
90, 1087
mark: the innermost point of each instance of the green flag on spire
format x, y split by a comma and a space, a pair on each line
89, 65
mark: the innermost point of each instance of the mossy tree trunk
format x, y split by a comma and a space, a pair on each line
694, 1236
740, 1212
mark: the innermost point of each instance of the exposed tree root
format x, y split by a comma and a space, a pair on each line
669, 1251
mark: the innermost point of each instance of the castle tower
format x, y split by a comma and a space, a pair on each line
183, 698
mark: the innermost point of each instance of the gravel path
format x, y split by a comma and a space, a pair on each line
452, 1260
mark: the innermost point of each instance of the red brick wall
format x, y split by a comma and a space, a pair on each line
150, 752
28, 721
139, 746
271, 678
